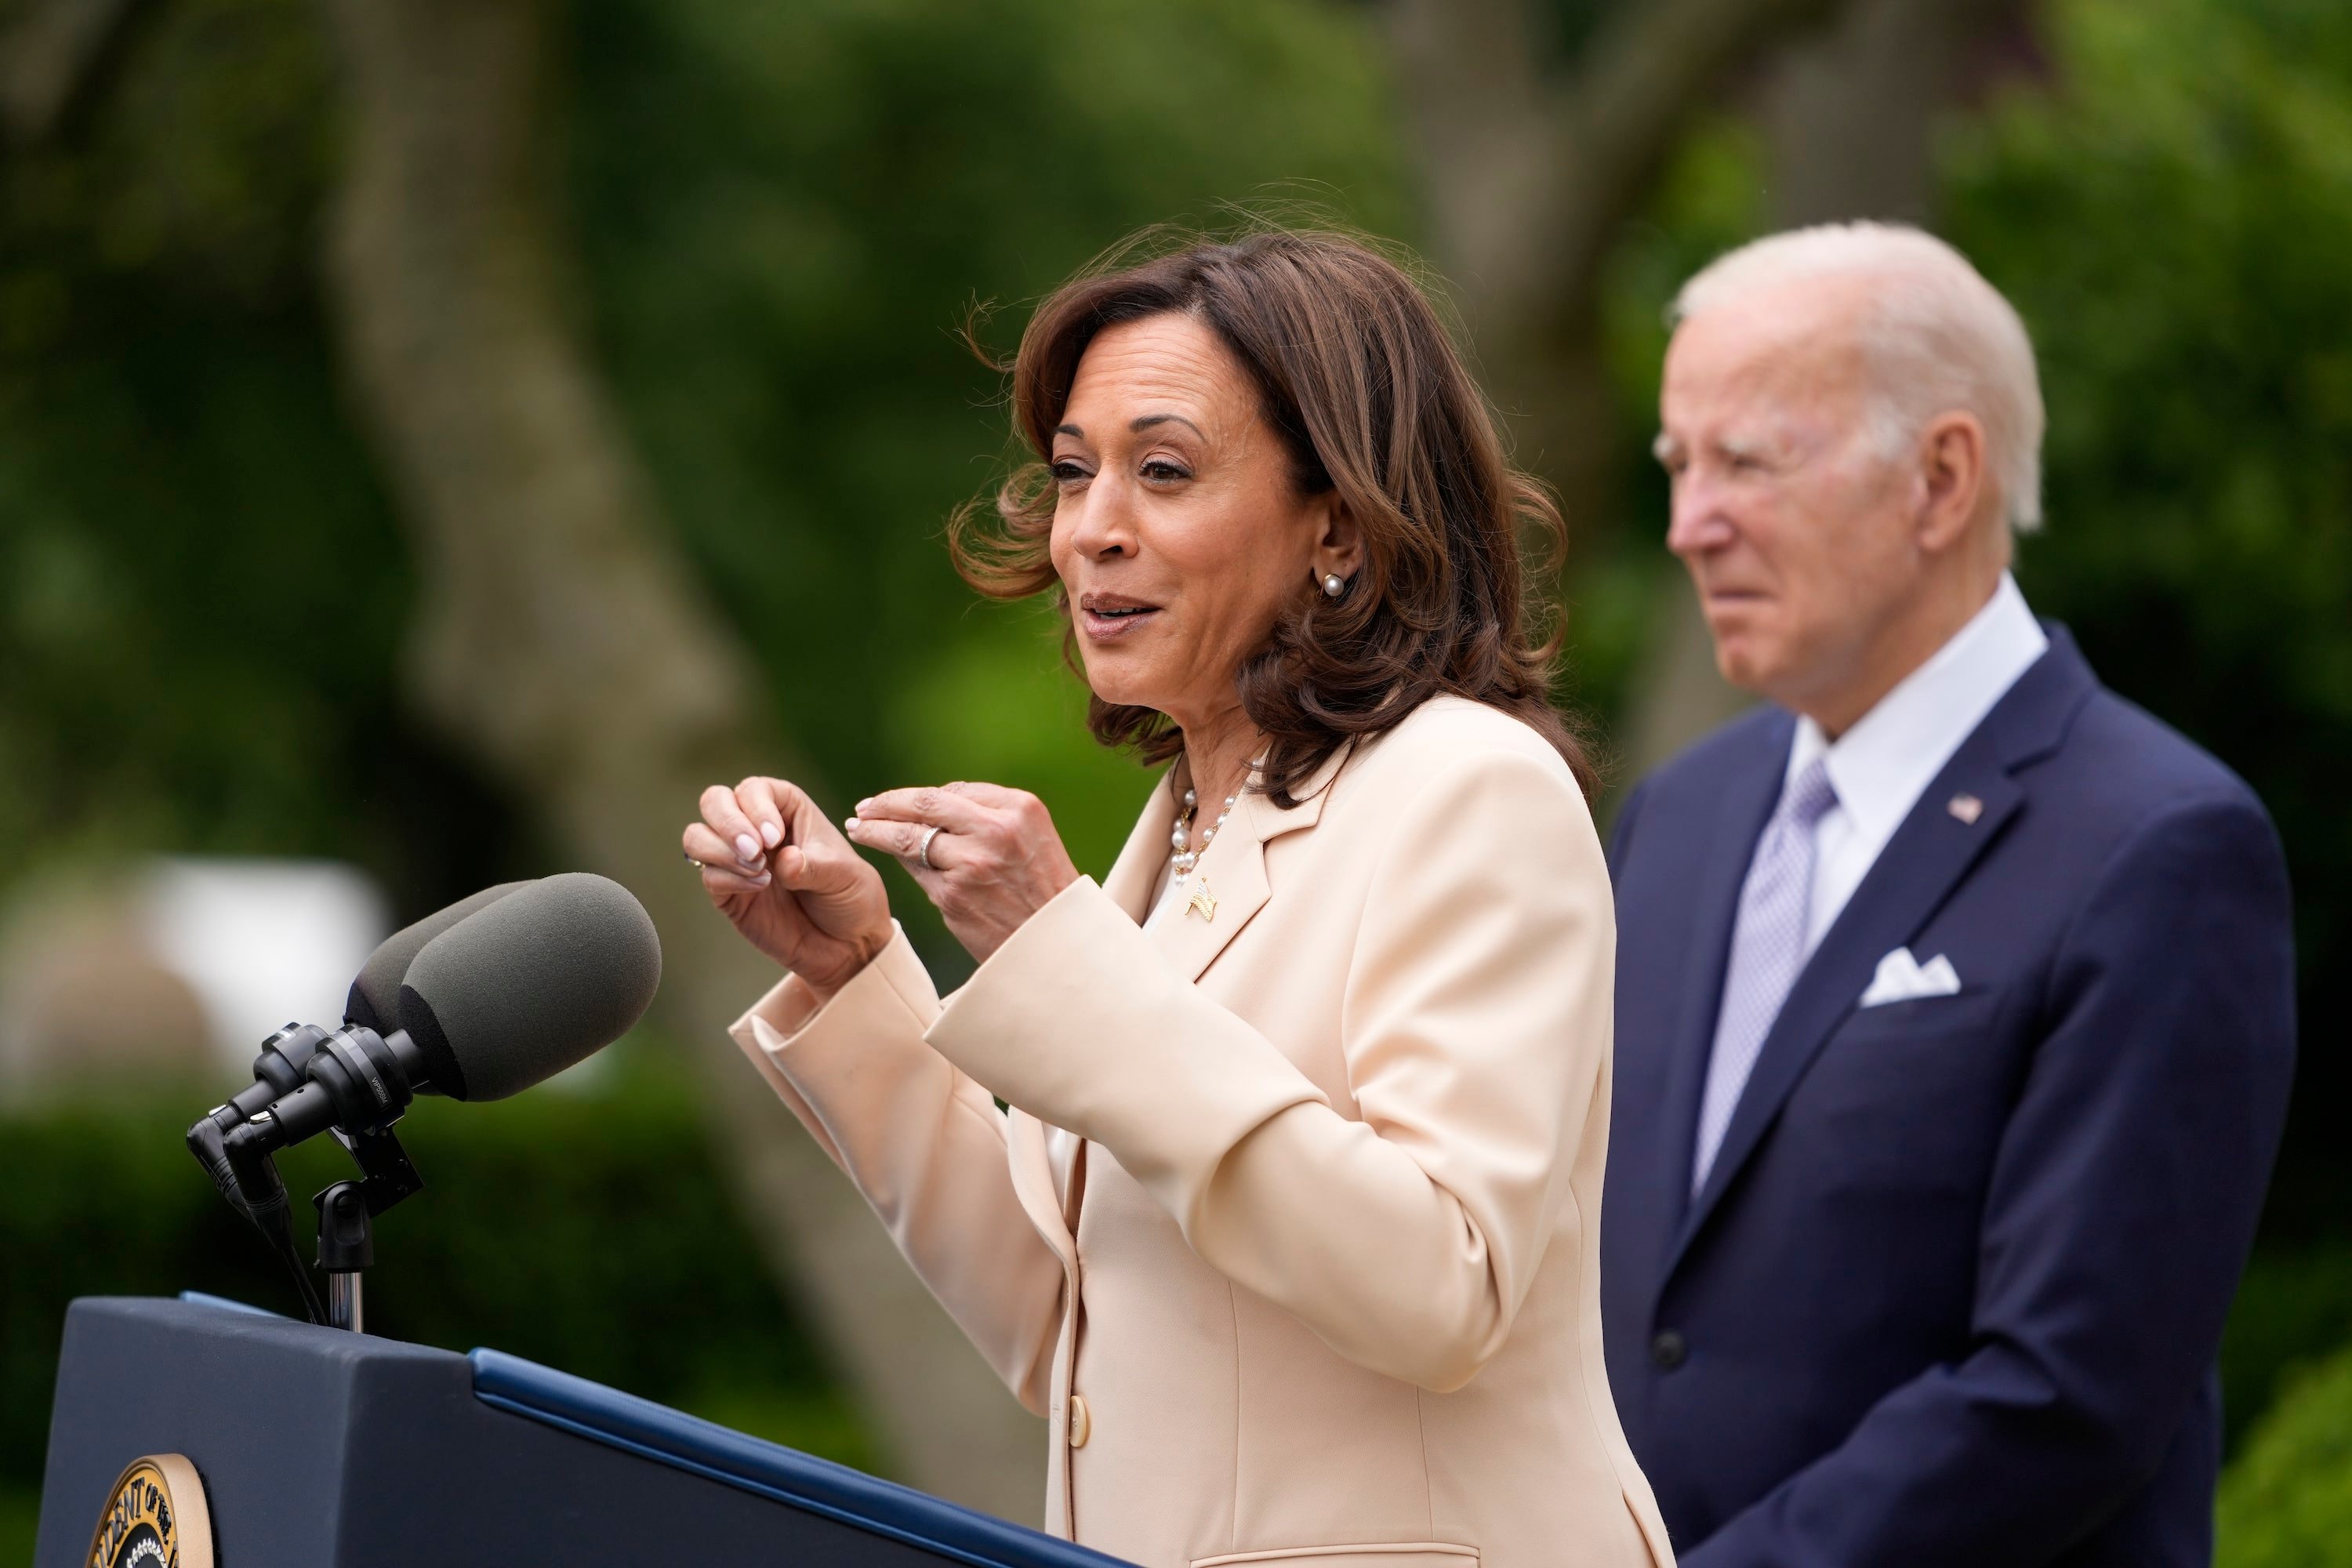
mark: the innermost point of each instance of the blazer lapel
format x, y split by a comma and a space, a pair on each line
1928, 856
1033, 1183
1229, 881
1132, 875
1129, 884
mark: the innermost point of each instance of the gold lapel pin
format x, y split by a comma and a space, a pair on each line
1203, 903
1966, 808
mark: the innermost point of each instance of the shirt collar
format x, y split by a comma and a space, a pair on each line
1880, 765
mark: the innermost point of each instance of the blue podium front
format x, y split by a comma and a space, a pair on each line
312, 1447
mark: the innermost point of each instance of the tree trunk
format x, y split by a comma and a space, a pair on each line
563, 643
1849, 117
53, 60
1532, 174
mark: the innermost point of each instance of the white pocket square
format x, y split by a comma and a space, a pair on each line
1902, 977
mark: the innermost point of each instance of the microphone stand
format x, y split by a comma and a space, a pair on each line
354, 1085
347, 1210
346, 1246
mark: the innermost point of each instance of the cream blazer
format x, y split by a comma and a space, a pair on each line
1321, 1284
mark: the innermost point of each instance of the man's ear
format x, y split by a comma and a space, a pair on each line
1339, 539
1952, 482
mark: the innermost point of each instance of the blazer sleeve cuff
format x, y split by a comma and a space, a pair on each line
810, 1052
791, 1008
1078, 1020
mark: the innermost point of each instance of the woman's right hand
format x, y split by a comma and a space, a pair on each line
797, 890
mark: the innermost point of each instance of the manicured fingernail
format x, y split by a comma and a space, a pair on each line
762, 879
770, 834
747, 846
865, 806
849, 824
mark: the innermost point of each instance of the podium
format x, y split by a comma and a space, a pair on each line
318, 1449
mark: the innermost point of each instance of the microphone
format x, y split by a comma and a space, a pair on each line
489, 996
531, 985
527, 984
373, 1003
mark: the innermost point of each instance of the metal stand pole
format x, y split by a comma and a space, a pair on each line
343, 1301
346, 1246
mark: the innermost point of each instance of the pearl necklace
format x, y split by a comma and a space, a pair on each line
1182, 856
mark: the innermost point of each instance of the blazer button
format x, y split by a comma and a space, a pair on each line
1669, 1350
1082, 1426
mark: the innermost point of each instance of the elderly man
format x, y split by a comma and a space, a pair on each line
1954, 992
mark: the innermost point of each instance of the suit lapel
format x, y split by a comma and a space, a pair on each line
1739, 819
1918, 870
1929, 855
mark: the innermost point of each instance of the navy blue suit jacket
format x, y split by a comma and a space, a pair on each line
1953, 1291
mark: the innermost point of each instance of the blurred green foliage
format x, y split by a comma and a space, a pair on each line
2295, 1303
201, 583
2173, 221
2287, 1501
783, 217
1709, 199
788, 212
587, 1230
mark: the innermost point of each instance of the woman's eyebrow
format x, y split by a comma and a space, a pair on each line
1148, 420
1069, 430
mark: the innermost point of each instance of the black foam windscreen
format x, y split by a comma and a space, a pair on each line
526, 986
374, 1001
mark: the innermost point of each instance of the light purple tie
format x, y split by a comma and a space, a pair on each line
1768, 948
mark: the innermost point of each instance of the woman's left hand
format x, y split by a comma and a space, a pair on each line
994, 861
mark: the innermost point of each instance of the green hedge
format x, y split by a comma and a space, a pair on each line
589, 1232
2293, 1307
2287, 1500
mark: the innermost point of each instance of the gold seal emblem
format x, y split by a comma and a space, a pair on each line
155, 1518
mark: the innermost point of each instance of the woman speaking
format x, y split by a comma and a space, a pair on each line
1291, 1227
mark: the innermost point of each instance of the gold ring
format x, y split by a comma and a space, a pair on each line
691, 860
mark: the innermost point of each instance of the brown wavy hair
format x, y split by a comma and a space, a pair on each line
1370, 397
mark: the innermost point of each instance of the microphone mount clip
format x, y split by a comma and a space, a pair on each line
354, 1083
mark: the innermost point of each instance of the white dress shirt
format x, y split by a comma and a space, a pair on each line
1880, 765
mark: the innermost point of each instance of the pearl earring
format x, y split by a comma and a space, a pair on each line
1334, 585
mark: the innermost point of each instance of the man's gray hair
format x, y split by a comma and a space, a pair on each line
1935, 336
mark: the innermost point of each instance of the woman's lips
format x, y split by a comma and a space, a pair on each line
1111, 624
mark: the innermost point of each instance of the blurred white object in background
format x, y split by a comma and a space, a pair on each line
262, 942
172, 972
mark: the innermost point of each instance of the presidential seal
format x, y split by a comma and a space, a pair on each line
155, 1518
